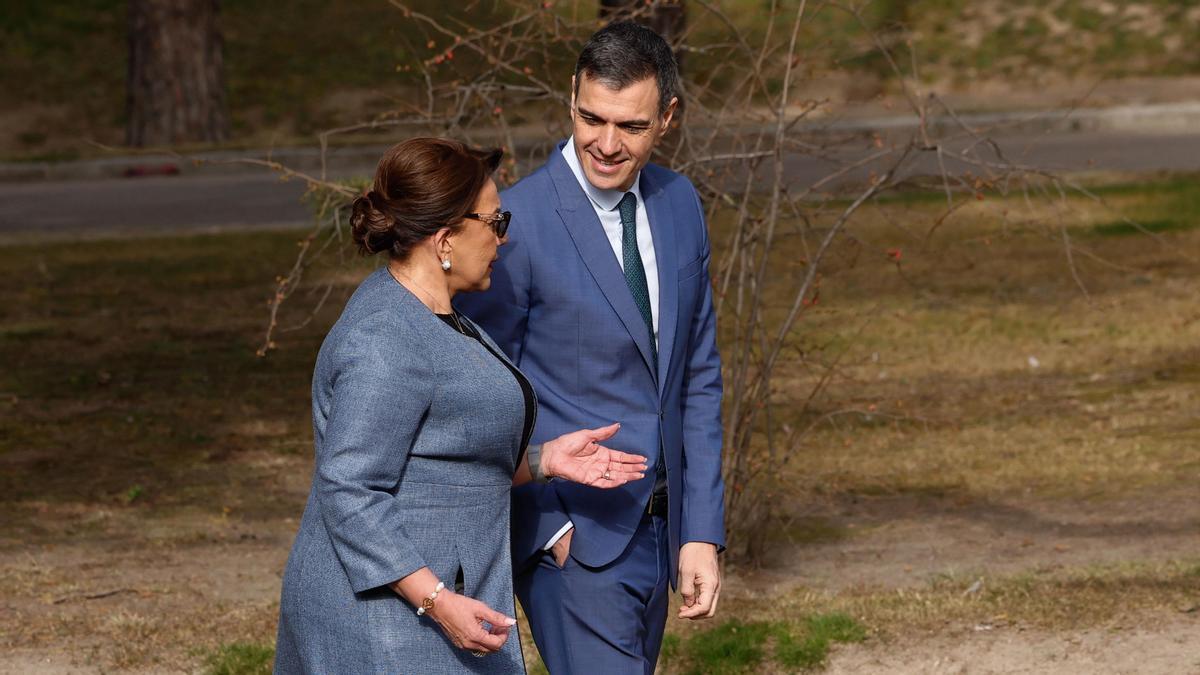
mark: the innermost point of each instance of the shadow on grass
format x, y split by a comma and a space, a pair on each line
131, 364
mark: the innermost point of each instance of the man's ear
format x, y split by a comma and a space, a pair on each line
667, 115
573, 97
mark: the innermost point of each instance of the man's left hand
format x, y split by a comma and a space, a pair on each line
699, 580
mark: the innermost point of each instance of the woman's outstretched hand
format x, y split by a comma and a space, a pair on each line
579, 457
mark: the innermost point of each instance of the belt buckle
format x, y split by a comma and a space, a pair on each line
654, 499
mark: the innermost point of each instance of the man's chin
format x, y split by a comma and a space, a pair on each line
602, 182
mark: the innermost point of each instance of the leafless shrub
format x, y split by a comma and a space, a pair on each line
769, 163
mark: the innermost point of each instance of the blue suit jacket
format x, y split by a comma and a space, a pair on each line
560, 307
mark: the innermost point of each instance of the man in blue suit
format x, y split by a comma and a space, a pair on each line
603, 298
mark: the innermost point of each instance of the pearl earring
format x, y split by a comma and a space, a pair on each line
446, 264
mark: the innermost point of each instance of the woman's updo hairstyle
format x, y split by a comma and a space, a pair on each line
421, 186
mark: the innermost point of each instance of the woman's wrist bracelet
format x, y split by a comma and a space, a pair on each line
534, 452
427, 603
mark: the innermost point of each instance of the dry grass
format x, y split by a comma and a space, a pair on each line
1125, 597
146, 450
1118, 596
978, 365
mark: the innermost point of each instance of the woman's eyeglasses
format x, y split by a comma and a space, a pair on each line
497, 221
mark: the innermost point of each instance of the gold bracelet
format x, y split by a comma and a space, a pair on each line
427, 603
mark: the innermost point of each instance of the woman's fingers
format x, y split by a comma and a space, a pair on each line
618, 457
619, 478
485, 613
487, 642
499, 630
493, 639
604, 433
623, 460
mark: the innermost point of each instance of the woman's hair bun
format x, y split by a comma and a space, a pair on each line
375, 198
421, 186
370, 226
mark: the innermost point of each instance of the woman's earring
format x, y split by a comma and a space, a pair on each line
446, 264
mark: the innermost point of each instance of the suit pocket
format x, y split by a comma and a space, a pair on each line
691, 269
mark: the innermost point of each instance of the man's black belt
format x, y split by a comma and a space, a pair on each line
657, 506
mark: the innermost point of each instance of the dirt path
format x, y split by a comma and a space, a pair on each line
903, 541
149, 599
1171, 648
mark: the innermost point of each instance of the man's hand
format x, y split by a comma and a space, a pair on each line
562, 548
699, 580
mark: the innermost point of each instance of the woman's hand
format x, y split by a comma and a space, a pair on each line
578, 457
462, 619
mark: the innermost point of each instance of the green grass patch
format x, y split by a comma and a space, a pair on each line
835, 627
671, 647
732, 647
806, 647
240, 658
744, 647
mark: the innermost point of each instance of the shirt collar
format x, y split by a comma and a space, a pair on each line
605, 200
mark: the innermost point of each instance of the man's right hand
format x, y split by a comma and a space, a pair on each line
562, 548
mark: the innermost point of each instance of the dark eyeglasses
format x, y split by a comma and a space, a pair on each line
497, 221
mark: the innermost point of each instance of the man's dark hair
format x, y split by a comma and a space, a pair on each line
624, 52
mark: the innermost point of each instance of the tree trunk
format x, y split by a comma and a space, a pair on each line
175, 91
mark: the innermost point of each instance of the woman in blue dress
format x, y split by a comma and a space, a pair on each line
421, 427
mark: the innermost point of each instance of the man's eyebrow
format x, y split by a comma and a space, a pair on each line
586, 113
627, 123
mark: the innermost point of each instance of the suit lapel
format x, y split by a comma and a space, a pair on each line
579, 217
662, 229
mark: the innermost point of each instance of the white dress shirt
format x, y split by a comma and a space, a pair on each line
605, 204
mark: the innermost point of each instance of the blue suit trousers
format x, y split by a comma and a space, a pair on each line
607, 619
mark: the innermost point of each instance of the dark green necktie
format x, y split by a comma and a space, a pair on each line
635, 273
635, 277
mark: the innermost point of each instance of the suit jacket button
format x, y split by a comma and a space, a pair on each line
661, 414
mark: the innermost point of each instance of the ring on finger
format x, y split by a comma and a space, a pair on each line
479, 654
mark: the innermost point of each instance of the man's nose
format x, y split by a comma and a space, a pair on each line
609, 141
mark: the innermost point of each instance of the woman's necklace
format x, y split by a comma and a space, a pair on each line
396, 274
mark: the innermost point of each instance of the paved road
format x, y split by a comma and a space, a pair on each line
261, 200
151, 204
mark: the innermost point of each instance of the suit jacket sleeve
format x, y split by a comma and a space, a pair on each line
379, 394
703, 488
503, 311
